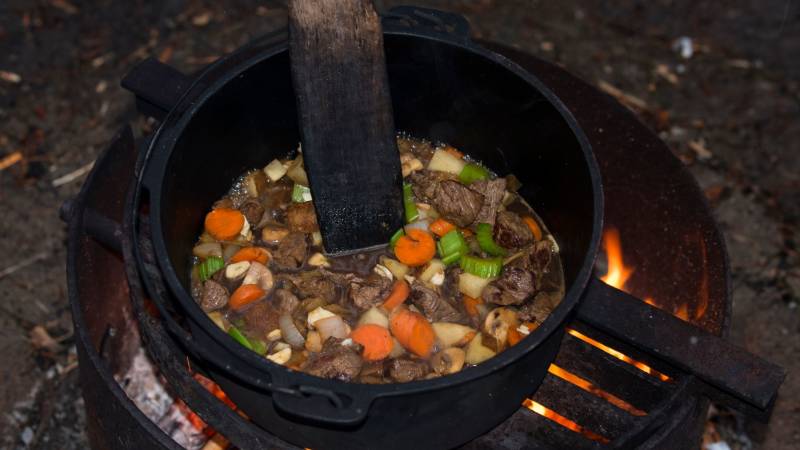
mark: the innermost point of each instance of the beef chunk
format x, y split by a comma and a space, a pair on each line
261, 318
492, 191
313, 283
276, 195
291, 251
425, 182
536, 258
405, 370
285, 301
433, 306
341, 362
214, 296
510, 230
420, 149
457, 203
373, 372
513, 287
539, 308
253, 211
368, 292
302, 217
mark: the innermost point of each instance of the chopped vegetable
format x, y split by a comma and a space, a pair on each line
415, 248
471, 305
498, 322
443, 161
301, 194
313, 342
258, 254
398, 269
472, 285
534, 226
281, 357
258, 346
486, 241
274, 335
452, 334
477, 352
237, 270
473, 172
397, 348
376, 340
318, 313
417, 225
374, 316
224, 224
273, 235
440, 227
399, 294
207, 249
244, 295
514, 336
482, 267
452, 247
453, 151
290, 333
239, 337
318, 260
296, 172
209, 267
259, 275
448, 361
332, 326
409, 206
275, 170
397, 235
316, 238
413, 331
383, 271
433, 274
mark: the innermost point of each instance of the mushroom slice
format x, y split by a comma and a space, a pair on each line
448, 361
498, 322
237, 270
281, 357
259, 274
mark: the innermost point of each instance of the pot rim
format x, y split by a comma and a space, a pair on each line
227, 68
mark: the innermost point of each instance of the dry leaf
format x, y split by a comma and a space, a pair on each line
201, 20
10, 77
41, 339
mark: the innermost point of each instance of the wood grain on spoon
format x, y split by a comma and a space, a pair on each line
347, 128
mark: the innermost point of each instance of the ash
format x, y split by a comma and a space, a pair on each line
148, 390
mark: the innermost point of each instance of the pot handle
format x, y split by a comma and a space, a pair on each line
157, 87
323, 406
725, 373
433, 20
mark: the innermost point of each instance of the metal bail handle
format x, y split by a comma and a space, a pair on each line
726, 373
323, 406
157, 87
441, 22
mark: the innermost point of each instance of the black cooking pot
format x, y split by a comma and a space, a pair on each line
240, 113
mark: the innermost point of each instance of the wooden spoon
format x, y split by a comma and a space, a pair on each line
346, 123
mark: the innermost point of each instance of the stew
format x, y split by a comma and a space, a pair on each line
472, 273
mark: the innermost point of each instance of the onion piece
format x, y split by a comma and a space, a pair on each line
332, 326
418, 225
290, 333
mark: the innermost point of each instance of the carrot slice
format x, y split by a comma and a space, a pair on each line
376, 340
224, 223
251, 254
244, 295
453, 151
415, 248
440, 227
514, 336
399, 294
471, 305
412, 331
535, 228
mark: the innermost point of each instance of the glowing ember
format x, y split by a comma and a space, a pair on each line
589, 387
542, 410
619, 355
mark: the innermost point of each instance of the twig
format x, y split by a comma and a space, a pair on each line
626, 99
72, 176
23, 264
10, 160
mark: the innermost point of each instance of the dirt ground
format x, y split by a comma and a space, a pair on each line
718, 81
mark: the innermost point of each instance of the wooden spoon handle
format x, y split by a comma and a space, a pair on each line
347, 127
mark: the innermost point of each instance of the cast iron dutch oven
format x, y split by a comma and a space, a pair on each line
240, 113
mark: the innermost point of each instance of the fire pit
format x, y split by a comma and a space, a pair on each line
598, 393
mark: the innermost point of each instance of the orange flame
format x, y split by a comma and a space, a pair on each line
542, 410
618, 273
